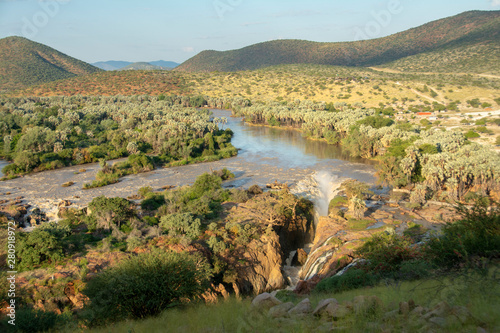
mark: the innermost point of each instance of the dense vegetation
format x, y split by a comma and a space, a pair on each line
24, 63
468, 30
443, 165
48, 133
208, 247
145, 285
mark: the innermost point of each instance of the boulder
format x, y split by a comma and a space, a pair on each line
301, 257
341, 312
404, 308
280, 310
326, 307
302, 308
265, 300
440, 310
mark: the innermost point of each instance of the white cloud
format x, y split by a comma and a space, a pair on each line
188, 49
495, 3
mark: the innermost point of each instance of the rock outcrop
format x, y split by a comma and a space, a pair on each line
262, 269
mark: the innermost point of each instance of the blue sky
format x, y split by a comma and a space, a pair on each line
147, 30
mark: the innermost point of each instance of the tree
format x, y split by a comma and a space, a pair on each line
145, 285
110, 211
181, 224
44, 244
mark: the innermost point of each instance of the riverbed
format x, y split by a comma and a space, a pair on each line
265, 155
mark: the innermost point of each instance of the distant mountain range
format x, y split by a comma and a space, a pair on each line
113, 65
24, 63
465, 43
444, 43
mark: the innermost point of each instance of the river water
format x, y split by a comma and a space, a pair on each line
3, 163
265, 155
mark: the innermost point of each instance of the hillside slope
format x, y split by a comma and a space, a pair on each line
141, 66
464, 31
24, 63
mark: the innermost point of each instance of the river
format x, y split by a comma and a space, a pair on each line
265, 155
3, 164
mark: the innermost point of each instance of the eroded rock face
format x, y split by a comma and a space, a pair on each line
262, 271
332, 250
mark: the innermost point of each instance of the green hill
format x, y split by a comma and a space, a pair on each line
24, 63
475, 30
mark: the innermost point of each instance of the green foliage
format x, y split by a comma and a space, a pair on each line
352, 279
216, 244
145, 285
110, 211
224, 174
42, 245
387, 252
181, 224
62, 131
205, 183
476, 234
471, 134
428, 149
355, 188
31, 320
376, 121
153, 201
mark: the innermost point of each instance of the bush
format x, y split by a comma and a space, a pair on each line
352, 279
224, 174
153, 201
255, 189
31, 320
145, 285
181, 224
110, 210
386, 252
44, 244
477, 234
205, 183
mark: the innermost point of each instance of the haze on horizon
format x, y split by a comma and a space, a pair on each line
150, 30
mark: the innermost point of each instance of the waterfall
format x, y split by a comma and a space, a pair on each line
327, 184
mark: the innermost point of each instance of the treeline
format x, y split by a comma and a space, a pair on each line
436, 163
48, 133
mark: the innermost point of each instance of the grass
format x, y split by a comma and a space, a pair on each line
358, 225
479, 293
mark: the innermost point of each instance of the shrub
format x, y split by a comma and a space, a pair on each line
40, 246
224, 174
238, 195
386, 252
255, 189
181, 224
110, 210
376, 121
414, 270
153, 201
144, 191
31, 320
476, 234
352, 279
145, 285
205, 183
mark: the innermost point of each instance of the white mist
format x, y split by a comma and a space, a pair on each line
327, 185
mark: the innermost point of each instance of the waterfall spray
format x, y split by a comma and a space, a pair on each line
327, 186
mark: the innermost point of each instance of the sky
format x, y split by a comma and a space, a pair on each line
148, 30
